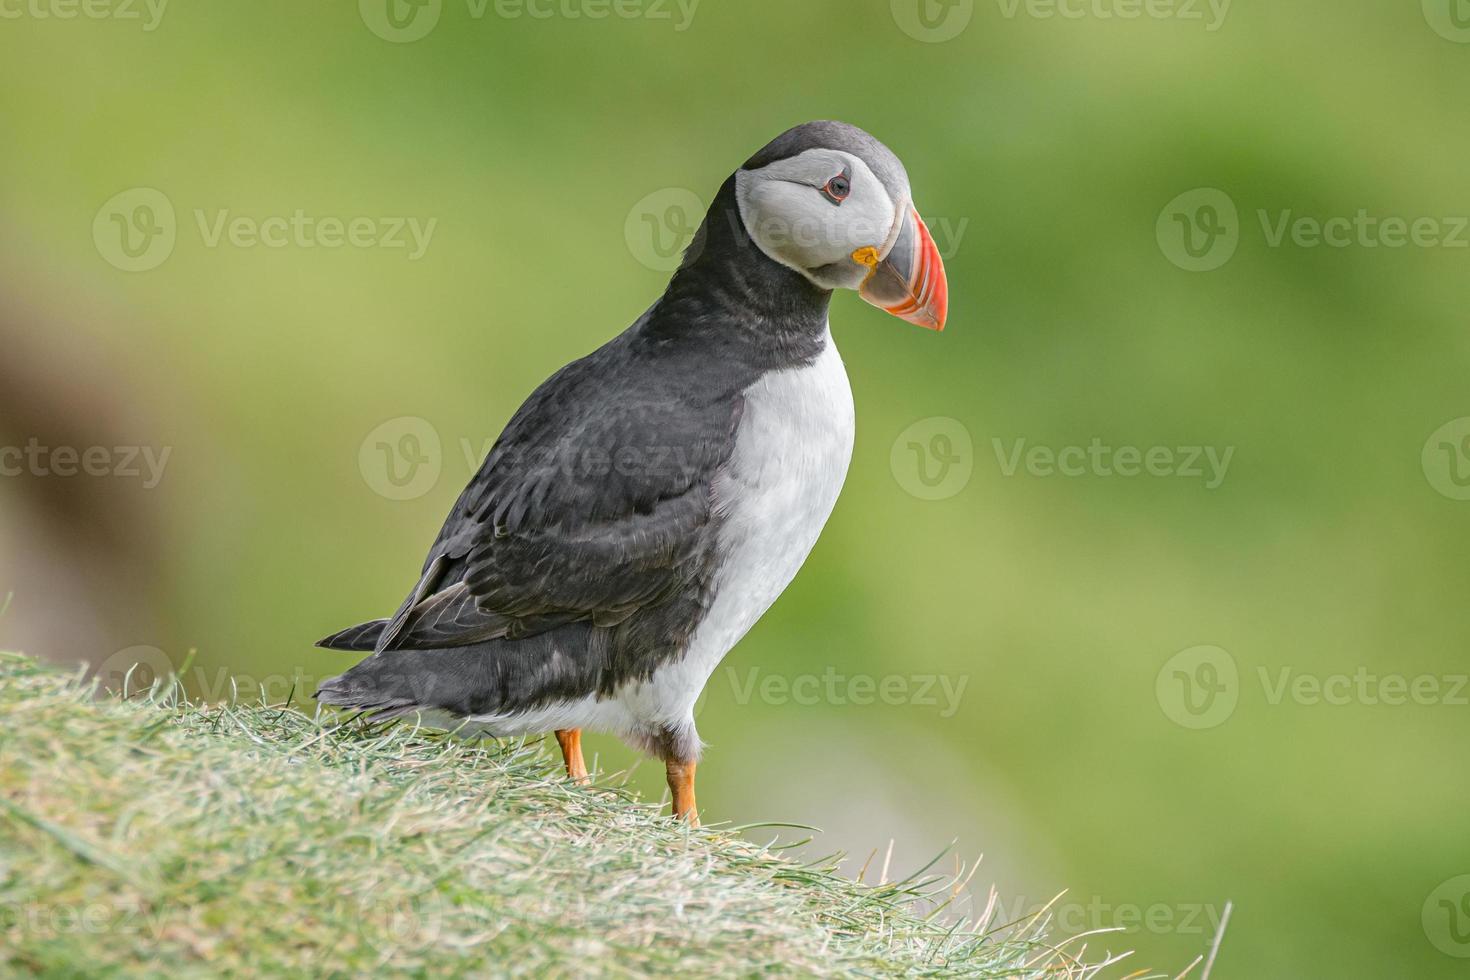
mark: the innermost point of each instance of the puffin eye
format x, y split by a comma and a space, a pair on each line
837, 188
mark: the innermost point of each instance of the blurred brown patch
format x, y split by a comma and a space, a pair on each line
81, 553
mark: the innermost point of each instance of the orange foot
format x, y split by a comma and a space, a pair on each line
570, 740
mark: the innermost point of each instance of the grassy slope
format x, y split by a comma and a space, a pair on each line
147, 837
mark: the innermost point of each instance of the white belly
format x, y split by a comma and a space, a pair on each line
790, 459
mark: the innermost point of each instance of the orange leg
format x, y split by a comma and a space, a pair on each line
681, 786
570, 740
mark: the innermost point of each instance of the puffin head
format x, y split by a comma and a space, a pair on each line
832, 203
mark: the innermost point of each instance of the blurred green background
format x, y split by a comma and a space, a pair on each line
1045, 152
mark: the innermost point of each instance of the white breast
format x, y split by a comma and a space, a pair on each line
790, 459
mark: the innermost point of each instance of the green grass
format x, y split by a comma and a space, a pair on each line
146, 836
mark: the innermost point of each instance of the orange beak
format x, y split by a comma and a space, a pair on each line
909, 282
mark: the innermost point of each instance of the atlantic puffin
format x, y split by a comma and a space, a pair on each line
650, 501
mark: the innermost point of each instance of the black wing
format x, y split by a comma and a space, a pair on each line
597, 501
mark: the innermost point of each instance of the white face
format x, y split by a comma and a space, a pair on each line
811, 212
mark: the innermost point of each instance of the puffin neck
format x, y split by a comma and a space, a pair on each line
729, 293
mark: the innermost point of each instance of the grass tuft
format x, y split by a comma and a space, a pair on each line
150, 836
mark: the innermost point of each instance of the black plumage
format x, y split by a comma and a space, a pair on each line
581, 555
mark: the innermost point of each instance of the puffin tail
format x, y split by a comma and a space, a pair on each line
349, 692
363, 636
361, 688
400, 682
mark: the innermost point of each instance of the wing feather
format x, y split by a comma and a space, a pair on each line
596, 502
